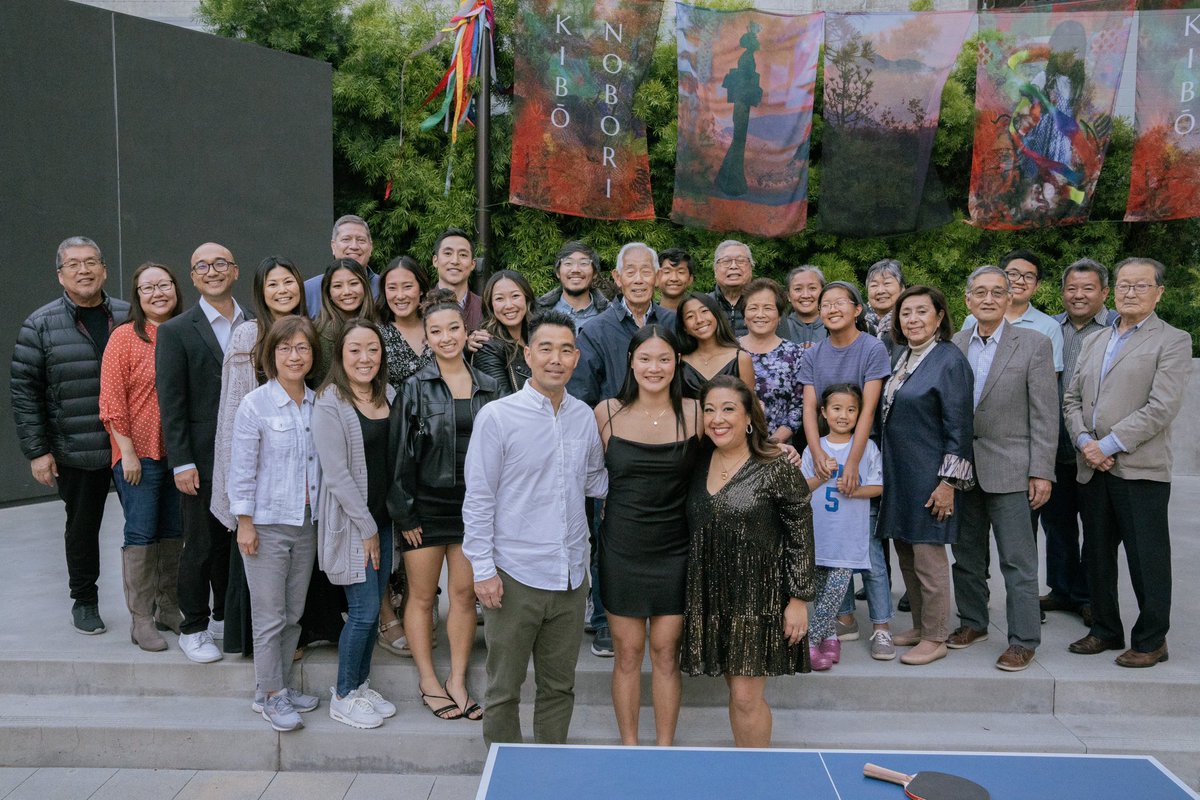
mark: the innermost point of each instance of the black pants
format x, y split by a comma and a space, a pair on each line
1066, 574
1133, 513
204, 562
84, 491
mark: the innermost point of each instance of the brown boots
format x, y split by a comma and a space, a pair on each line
167, 616
139, 565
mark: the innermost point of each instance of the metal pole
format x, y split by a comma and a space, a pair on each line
483, 162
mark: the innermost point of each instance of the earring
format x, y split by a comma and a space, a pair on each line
749, 428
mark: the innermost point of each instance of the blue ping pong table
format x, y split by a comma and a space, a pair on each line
576, 772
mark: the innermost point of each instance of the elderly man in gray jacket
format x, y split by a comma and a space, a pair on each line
1016, 432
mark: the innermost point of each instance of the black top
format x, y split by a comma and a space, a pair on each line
95, 320
375, 444
440, 508
693, 381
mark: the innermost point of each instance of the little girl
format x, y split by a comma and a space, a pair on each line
841, 521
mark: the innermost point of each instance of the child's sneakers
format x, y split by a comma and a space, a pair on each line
882, 648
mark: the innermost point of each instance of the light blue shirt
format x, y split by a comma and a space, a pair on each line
578, 316
528, 471
1038, 321
1110, 444
980, 354
273, 469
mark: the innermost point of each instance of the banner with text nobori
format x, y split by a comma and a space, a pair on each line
884, 75
577, 146
1045, 88
1165, 180
746, 81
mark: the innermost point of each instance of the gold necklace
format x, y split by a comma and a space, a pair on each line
654, 420
725, 468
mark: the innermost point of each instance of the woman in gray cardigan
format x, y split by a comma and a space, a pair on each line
354, 540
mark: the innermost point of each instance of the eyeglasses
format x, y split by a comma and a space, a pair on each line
1138, 289
843, 302
995, 294
582, 263
75, 266
287, 349
219, 265
1021, 277
148, 289
741, 261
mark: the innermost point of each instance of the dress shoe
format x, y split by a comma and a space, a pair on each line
908, 638
1136, 658
964, 637
903, 605
1015, 658
1054, 602
924, 653
1091, 645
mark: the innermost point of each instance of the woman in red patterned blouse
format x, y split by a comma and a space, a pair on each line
129, 410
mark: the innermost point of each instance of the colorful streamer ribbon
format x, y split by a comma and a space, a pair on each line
472, 27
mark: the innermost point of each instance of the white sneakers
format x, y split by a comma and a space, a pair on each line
354, 710
199, 647
382, 707
216, 628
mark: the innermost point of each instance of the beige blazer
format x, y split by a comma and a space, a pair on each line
1138, 399
1016, 421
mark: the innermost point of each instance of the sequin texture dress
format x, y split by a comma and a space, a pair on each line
751, 550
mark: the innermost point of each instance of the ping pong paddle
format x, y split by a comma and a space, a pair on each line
930, 785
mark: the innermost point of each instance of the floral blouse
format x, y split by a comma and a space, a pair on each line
402, 361
777, 382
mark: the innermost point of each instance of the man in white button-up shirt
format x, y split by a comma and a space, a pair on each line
534, 456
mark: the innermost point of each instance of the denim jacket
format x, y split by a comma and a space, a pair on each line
273, 459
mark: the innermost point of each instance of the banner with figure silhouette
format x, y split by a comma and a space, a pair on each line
746, 81
577, 146
1045, 88
884, 75
1165, 179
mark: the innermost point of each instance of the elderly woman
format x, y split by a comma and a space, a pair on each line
885, 282
776, 360
804, 325
926, 431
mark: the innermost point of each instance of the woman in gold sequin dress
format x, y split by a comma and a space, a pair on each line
750, 566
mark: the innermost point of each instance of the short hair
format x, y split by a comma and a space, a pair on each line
281, 331
576, 246
1087, 265
945, 329
761, 447
137, 315
800, 270
636, 246
337, 376
842, 388
1160, 270
987, 269
885, 267
75, 241
450, 233
724, 333
350, 219
550, 317
329, 311
731, 243
768, 285
383, 312
1022, 255
678, 256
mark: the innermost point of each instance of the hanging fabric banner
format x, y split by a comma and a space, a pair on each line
1045, 88
746, 81
577, 146
1165, 180
884, 75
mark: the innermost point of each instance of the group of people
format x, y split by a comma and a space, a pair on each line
706, 471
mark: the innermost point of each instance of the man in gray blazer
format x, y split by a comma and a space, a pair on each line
1127, 389
1016, 427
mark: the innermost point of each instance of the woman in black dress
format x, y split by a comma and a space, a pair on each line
708, 345
430, 427
650, 447
750, 567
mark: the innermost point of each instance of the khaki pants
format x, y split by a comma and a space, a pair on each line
926, 570
549, 626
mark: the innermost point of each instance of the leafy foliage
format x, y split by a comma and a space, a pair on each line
379, 85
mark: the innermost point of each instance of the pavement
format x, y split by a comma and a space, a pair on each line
97, 717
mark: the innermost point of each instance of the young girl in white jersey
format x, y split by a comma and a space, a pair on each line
841, 521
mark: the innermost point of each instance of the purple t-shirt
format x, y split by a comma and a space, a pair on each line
864, 359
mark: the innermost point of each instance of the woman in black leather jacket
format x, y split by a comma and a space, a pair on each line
507, 303
430, 427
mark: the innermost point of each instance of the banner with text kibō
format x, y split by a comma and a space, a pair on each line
746, 81
884, 75
1045, 88
577, 146
1165, 180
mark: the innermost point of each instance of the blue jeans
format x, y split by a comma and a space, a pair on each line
875, 581
357, 641
152, 506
